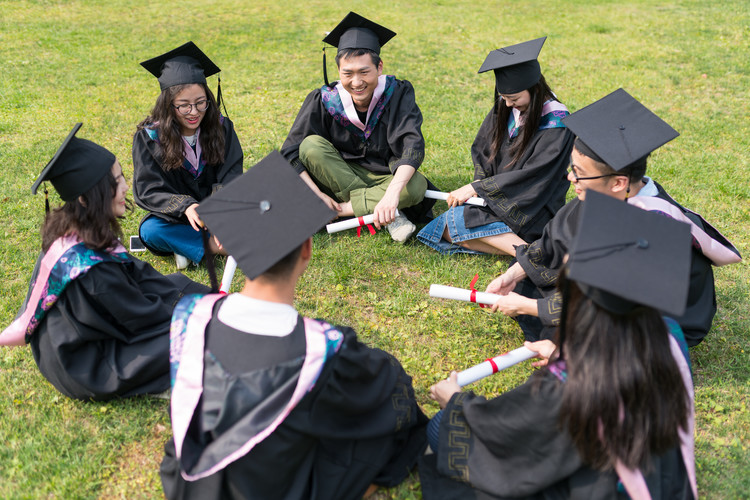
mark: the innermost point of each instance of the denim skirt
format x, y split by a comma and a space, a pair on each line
432, 234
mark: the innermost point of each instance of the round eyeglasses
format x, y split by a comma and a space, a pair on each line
199, 106
572, 169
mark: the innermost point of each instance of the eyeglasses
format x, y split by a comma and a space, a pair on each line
572, 170
199, 106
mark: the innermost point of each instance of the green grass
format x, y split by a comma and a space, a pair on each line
78, 61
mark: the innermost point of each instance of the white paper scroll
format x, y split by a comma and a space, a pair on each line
439, 195
450, 292
498, 363
351, 223
226, 279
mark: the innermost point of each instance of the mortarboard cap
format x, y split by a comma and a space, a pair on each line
357, 32
619, 130
185, 64
516, 68
264, 214
624, 256
76, 167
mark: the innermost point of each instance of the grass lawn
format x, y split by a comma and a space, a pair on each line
69, 61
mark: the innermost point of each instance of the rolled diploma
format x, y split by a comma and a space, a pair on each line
502, 362
439, 195
450, 292
351, 223
226, 279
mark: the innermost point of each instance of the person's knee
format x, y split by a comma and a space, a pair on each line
151, 232
313, 150
415, 188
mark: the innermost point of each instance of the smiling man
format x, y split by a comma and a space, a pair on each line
358, 142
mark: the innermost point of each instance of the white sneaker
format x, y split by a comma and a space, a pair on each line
181, 261
401, 229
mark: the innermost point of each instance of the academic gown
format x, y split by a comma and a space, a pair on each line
528, 194
396, 139
542, 259
359, 424
108, 334
511, 447
167, 194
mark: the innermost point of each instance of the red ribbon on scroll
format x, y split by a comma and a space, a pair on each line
473, 296
361, 221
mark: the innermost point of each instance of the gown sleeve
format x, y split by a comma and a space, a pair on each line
405, 129
232, 166
152, 189
311, 120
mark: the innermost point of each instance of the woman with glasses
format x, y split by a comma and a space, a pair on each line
182, 152
519, 154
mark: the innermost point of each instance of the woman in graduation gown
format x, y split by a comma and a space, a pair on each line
97, 318
520, 157
182, 152
611, 414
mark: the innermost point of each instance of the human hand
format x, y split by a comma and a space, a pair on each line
544, 349
514, 304
385, 210
193, 218
506, 282
460, 195
330, 202
445, 389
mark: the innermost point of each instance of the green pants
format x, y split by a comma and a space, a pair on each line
348, 181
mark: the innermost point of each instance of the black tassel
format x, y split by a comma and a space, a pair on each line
325, 71
219, 100
46, 200
210, 263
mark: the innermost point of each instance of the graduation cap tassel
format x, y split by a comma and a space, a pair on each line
210, 264
325, 71
46, 200
219, 100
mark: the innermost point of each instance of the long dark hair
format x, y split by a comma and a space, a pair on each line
539, 93
624, 397
90, 216
163, 117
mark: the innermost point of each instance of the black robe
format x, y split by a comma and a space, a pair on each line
527, 195
108, 334
168, 194
542, 259
360, 423
396, 139
512, 447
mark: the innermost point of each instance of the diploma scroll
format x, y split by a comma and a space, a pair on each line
352, 223
439, 195
450, 292
494, 365
226, 279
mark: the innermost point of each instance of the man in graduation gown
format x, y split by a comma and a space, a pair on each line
97, 321
267, 403
615, 135
358, 142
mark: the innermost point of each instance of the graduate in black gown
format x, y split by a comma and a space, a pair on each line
182, 152
615, 135
610, 415
266, 403
358, 142
520, 155
97, 318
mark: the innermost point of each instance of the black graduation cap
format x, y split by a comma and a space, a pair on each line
76, 167
619, 130
516, 67
357, 32
264, 214
624, 256
185, 64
